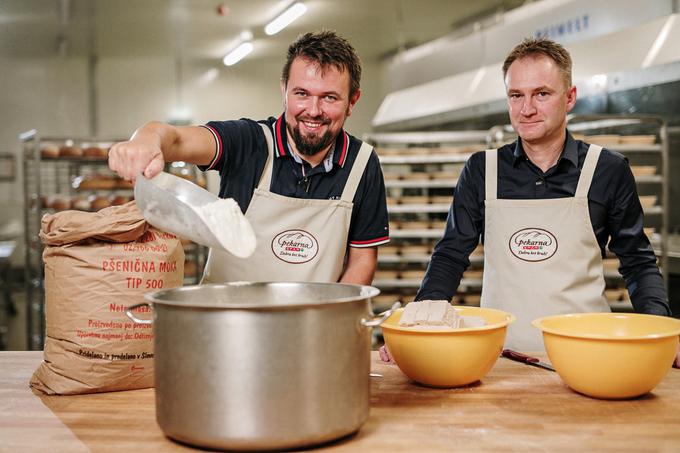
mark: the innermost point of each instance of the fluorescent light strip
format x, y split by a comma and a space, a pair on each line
659, 41
238, 53
285, 18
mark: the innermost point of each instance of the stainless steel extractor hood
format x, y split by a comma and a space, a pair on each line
607, 40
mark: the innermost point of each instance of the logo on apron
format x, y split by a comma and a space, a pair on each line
533, 244
295, 246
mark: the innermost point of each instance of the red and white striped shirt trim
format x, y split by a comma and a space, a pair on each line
218, 147
370, 242
345, 145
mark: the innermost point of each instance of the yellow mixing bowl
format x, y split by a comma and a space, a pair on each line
450, 358
610, 355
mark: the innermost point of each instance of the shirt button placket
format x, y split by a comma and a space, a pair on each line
540, 185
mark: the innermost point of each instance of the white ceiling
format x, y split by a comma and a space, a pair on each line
193, 30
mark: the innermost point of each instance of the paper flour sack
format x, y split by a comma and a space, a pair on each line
97, 265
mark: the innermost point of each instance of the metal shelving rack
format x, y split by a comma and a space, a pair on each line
655, 154
420, 153
48, 177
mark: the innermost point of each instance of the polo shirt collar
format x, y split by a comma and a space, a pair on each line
569, 152
337, 155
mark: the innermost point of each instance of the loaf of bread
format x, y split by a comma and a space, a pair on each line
416, 225
473, 274
100, 202
96, 152
82, 204
60, 203
70, 151
95, 182
49, 151
415, 176
119, 200
391, 176
124, 184
388, 250
414, 199
438, 224
441, 199
413, 274
416, 249
386, 275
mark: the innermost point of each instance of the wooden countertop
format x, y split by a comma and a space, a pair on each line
515, 407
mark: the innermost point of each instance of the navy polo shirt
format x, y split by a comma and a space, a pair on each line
615, 214
241, 154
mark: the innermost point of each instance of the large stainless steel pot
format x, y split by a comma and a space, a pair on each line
261, 365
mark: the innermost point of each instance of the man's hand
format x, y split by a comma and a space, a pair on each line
155, 143
133, 157
385, 355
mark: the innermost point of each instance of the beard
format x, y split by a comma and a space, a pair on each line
312, 144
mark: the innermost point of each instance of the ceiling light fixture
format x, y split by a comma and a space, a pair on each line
285, 18
238, 53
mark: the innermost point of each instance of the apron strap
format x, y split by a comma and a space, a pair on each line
587, 171
357, 172
491, 175
266, 178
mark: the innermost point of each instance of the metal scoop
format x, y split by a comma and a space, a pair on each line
166, 203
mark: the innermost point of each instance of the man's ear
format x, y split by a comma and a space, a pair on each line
571, 98
283, 93
352, 102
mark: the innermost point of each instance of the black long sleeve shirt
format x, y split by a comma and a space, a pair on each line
615, 213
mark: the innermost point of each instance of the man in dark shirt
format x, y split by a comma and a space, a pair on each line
314, 194
534, 199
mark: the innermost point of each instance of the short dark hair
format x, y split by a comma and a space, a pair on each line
326, 48
532, 47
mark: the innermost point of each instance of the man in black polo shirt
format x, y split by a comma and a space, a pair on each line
314, 194
545, 226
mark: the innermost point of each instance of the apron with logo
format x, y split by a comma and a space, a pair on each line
541, 257
299, 240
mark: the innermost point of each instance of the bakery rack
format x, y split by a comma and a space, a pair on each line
62, 173
421, 172
643, 139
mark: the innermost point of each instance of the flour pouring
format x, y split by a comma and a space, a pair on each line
178, 206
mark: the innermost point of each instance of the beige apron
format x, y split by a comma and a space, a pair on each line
541, 257
298, 240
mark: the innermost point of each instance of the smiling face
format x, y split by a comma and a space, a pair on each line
317, 103
538, 99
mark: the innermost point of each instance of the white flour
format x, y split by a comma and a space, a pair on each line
228, 224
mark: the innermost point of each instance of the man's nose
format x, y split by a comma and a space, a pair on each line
528, 107
314, 107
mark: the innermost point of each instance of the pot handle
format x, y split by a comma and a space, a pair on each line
379, 319
129, 314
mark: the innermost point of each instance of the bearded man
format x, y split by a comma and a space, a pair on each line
300, 178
